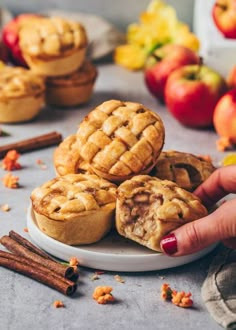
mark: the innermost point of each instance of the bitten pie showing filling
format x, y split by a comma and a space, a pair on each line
120, 139
53, 46
22, 94
148, 208
75, 209
186, 169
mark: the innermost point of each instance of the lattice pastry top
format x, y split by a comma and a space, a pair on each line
51, 36
148, 208
186, 169
120, 139
65, 197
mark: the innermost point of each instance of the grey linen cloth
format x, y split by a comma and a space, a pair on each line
219, 288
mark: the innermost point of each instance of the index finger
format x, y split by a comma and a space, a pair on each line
221, 183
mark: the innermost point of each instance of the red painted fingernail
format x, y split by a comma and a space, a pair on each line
169, 244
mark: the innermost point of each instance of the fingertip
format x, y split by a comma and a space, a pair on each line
169, 244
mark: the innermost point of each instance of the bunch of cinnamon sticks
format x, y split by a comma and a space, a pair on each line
29, 260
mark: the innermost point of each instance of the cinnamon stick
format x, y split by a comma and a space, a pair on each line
27, 244
35, 143
37, 272
20, 250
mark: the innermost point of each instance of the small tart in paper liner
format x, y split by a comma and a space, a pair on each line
186, 169
53, 46
148, 208
73, 89
121, 139
75, 209
67, 159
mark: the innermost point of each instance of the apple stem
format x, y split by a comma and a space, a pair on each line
223, 7
156, 57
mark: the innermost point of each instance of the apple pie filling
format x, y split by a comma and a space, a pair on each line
148, 208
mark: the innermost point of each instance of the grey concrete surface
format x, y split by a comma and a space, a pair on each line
26, 304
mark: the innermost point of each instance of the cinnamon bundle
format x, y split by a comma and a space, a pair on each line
27, 259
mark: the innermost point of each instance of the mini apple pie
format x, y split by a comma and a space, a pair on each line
120, 139
67, 159
75, 209
73, 89
186, 169
53, 46
148, 208
22, 94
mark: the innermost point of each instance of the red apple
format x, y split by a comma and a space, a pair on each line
162, 62
3, 52
231, 78
10, 38
224, 120
224, 17
191, 94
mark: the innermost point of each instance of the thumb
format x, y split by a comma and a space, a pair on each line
197, 235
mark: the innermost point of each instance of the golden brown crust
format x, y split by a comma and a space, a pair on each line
16, 82
22, 94
148, 208
75, 208
67, 159
86, 73
186, 169
53, 46
73, 89
120, 139
47, 37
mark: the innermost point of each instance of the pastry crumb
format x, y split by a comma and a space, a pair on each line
10, 181
178, 298
5, 208
58, 304
74, 261
94, 277
103, 295
9, 162
119, 279
41, 163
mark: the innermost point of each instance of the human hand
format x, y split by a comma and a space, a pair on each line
219, 225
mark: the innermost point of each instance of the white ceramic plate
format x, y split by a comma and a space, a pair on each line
113, 253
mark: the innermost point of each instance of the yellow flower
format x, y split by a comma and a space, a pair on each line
183, 36
130, 56
157, 26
